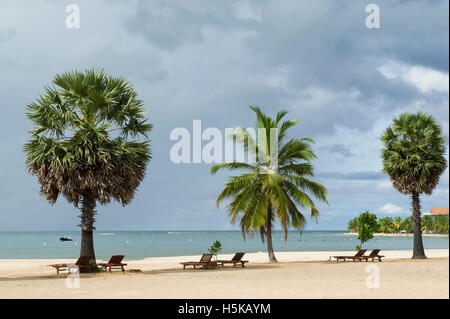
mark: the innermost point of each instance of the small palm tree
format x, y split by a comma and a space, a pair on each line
353, 225
414, 158
427, 223
441, 223
398, 223
89, 143
264, 192
407, 225
386, 225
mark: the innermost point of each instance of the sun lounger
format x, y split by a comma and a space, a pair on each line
204, 262
82, 263
114, 262
374, 254
237, 259
358, 256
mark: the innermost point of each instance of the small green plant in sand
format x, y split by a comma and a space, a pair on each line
216, 248
366, 225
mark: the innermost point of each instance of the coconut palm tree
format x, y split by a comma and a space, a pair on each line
407, 225
441, 223
398, 223
386, 225
427, 223
414, 158
89, 143
276, 185
352, 225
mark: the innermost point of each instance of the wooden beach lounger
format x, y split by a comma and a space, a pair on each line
204, 262
82, 263
358, 256
237, 259
374, 254
114, 262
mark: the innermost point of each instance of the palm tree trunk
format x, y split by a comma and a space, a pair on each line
87, 225
418, 251
272, 258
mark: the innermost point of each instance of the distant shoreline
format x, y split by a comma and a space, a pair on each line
398, 235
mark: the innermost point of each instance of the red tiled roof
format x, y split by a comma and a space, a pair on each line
439, 211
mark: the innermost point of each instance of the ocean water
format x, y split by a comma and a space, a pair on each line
142, 244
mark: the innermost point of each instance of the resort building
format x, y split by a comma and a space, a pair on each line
439, 211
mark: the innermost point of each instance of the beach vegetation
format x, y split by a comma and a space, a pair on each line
215, 248
398, 224
386, 225
367, 225
352, 225
440, 224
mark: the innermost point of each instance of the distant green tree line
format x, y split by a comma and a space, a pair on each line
431, 224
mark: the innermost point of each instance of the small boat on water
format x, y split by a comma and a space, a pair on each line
65, 238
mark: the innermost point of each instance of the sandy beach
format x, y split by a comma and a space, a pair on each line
297, 275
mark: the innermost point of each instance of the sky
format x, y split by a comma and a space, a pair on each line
210, 60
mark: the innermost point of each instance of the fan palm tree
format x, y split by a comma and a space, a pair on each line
89, 143
414, 158
271, 189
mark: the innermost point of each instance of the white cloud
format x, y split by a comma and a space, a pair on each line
426, 80
386, 185
391, 209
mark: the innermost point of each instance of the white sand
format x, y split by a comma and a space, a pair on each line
297, 275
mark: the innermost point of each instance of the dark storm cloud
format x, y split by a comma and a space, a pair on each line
210, 60
170, 23
320, 44
369, 175
342, 149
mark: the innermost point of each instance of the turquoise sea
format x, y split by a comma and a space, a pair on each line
142, 244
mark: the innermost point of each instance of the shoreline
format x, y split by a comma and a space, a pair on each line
397, 235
